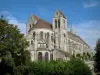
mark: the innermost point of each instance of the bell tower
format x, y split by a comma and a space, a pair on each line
60, 30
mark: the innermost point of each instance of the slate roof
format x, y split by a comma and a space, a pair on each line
76, 38
42, 24
35, 17
62, 14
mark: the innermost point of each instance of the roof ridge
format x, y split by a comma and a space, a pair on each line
36, 17
79, 38
83, 40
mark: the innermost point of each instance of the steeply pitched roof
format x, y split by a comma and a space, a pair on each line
42, 24
76, 38
35, 17
60, 13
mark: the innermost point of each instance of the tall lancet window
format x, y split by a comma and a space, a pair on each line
55, 23
34, 35
47, 38
41, 35
59, 23
46, 56
39, 56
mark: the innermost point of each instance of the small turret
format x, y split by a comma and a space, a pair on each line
72, 30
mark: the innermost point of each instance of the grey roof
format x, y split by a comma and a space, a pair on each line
76, 38
62, 14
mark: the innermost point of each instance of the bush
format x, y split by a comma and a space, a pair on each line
78, 67
72, 67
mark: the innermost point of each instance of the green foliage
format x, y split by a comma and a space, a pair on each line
72, 67
12, 46
78, 67
97, 56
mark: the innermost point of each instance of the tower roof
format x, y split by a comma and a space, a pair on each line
59, 13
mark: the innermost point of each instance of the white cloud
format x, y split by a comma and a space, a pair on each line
91, 4
13, 20
89, 31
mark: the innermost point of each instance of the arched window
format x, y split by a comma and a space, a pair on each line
34, 35
52, 38
46, 56
39, 56
31, 42
47, 38
45, 35
59, 23
41, 35
64, 35
55, 23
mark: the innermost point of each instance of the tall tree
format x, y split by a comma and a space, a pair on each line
97, 57
12, 45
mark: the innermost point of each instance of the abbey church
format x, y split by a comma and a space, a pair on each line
53, 41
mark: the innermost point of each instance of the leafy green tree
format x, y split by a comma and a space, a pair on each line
97, 57
72, 67
12, 45
78, 67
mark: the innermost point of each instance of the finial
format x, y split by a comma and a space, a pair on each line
72, 29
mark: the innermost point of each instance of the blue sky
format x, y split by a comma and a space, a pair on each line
83, 14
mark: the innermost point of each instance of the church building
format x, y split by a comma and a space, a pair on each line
53, 41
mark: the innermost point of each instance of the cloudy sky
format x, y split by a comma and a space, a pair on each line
83, 14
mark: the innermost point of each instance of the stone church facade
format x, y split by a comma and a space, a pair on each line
53, 41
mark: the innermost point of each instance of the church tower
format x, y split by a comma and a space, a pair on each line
60, 30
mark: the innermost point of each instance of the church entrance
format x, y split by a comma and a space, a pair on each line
39, 56
43, 56
46, 56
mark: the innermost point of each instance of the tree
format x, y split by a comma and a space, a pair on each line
78, 67
97, 57
12, 45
